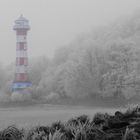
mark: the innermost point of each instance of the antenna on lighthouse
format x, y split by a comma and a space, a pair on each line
21, 80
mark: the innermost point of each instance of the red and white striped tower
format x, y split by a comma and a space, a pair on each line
21, 80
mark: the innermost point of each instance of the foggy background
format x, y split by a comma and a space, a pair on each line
55, 23
84, 57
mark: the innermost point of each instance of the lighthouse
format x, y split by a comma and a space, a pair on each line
21, 79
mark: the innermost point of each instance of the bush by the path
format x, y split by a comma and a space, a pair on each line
120, 126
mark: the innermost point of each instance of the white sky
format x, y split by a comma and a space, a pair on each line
55, 23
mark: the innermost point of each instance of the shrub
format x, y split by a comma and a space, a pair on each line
102, 127
130, 134
11, 133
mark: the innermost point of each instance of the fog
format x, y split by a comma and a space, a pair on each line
55, 23
84, 57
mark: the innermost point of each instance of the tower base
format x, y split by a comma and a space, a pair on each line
17, 86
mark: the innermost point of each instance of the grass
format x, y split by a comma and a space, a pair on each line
120, 125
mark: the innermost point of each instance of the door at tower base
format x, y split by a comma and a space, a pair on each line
21, 85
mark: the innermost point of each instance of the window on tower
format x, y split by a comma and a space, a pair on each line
21, 32
22, 45
23, 77
25, 61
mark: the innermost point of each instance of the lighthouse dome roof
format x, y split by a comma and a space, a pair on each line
21, 23
21, 18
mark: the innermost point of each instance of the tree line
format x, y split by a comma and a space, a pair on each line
101, 64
